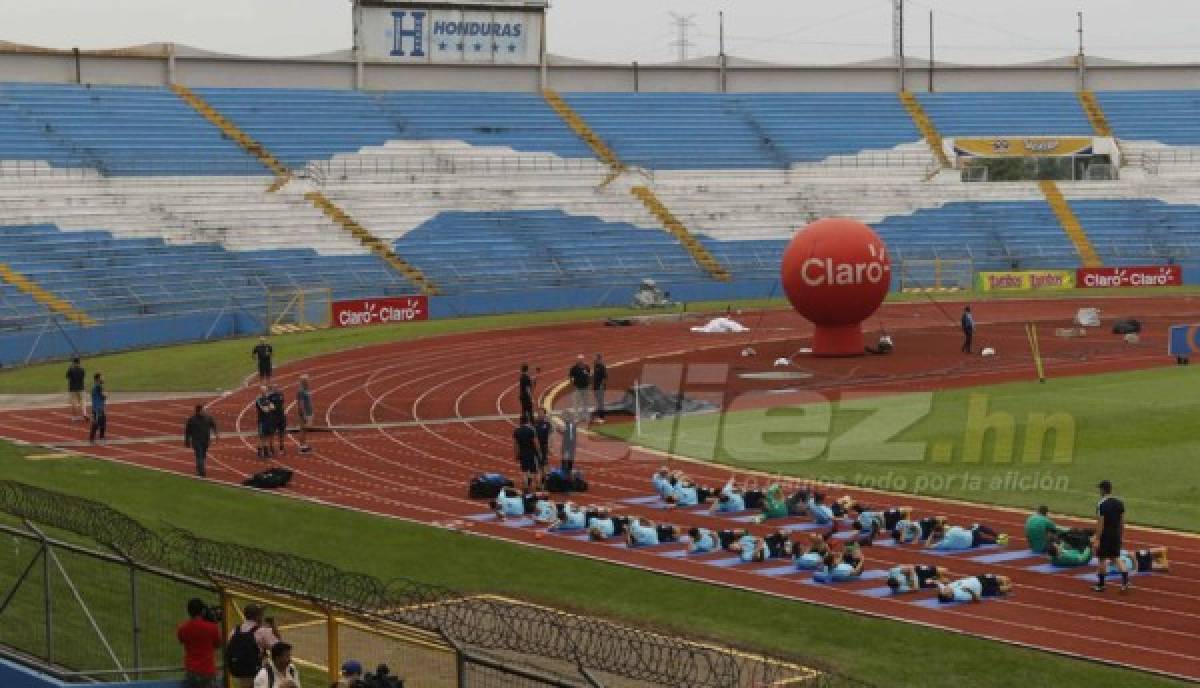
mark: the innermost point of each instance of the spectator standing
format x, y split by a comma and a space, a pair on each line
968, 328
278, 671
262, 353
542, 428
581, 379
304, 408
525, 385
278, 418
262, 409
1110, 526
352, 674
197, 433
525, 448
599, 383
76, 376
201, 638
99, 412
249, 642
570, 432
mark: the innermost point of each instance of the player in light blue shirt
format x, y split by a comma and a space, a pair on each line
901, 580
545, 512
954, 538
685, 495
837, 571
601, 527
814, 557
750, 548
729, 502
974, 588
573, 518
642, 533
821, 514
907, 532
662, 483
509, 503
702, 541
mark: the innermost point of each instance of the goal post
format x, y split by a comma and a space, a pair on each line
298, 310
937, 275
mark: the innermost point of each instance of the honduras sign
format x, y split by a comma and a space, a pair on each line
447, 36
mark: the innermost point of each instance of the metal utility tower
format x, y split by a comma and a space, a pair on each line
683, 24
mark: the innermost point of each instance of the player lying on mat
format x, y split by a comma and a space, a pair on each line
1068, 554
812, 557
753, 548
840, 567
569, 516
702, 541
602, 525
642, 532
908, 578
974, 588
959, 538
729, 500
820, 514
508, 503
774, 503
910, 531
1142, 561
870, 523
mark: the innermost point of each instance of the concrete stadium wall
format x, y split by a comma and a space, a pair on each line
149, 68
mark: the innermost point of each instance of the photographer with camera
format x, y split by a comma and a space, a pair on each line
201, 638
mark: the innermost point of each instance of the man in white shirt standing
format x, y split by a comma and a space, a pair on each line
278, 671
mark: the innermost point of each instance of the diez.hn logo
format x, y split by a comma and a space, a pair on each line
416, 33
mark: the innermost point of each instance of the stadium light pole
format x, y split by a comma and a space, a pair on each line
898, 39
721, 50
1079, 58
931, 51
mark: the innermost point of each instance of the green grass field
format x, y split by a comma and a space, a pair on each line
877, 651
1135, 428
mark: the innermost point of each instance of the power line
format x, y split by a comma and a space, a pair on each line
683, 24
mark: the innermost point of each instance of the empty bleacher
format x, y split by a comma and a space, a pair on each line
1168, 117
1007, 114
303, 125
116, 130
676, 131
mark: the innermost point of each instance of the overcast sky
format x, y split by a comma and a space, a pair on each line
794, 31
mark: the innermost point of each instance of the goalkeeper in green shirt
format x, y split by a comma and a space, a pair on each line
1037, 529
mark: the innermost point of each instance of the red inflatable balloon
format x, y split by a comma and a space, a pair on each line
835, 273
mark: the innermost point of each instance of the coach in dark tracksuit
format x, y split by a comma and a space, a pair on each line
199, 431
968, 328
1110, 525
542, 427
525, 385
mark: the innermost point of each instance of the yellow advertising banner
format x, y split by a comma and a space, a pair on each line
1027, 280
1023, 147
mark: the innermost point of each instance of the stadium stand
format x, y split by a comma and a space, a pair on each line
676, 131
115, 130
1007, 114
1168, 117
302, 125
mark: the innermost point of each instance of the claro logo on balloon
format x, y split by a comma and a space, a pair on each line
818, 272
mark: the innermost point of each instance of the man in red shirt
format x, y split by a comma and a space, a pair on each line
200, 639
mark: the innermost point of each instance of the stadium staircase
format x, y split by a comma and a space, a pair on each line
372, 242
581, 129
926, 126
51, 301
1070, 223
282, 173
672, 224
1095, 113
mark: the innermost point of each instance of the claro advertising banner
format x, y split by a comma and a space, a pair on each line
1027, 280
361, 312
450, 36
1140, 276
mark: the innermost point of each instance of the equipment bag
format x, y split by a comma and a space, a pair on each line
559, 480
487, 485
270, 479
1127, 326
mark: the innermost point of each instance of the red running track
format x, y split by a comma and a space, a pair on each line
412, 421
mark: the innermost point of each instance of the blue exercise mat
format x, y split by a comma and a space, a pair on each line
959, 552
998, 557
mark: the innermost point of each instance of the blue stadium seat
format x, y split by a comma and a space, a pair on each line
302, 125
109, 277
1165, 116
1006, 114
473, 251
119, 130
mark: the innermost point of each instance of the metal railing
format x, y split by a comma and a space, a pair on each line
384, 165
94, 167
